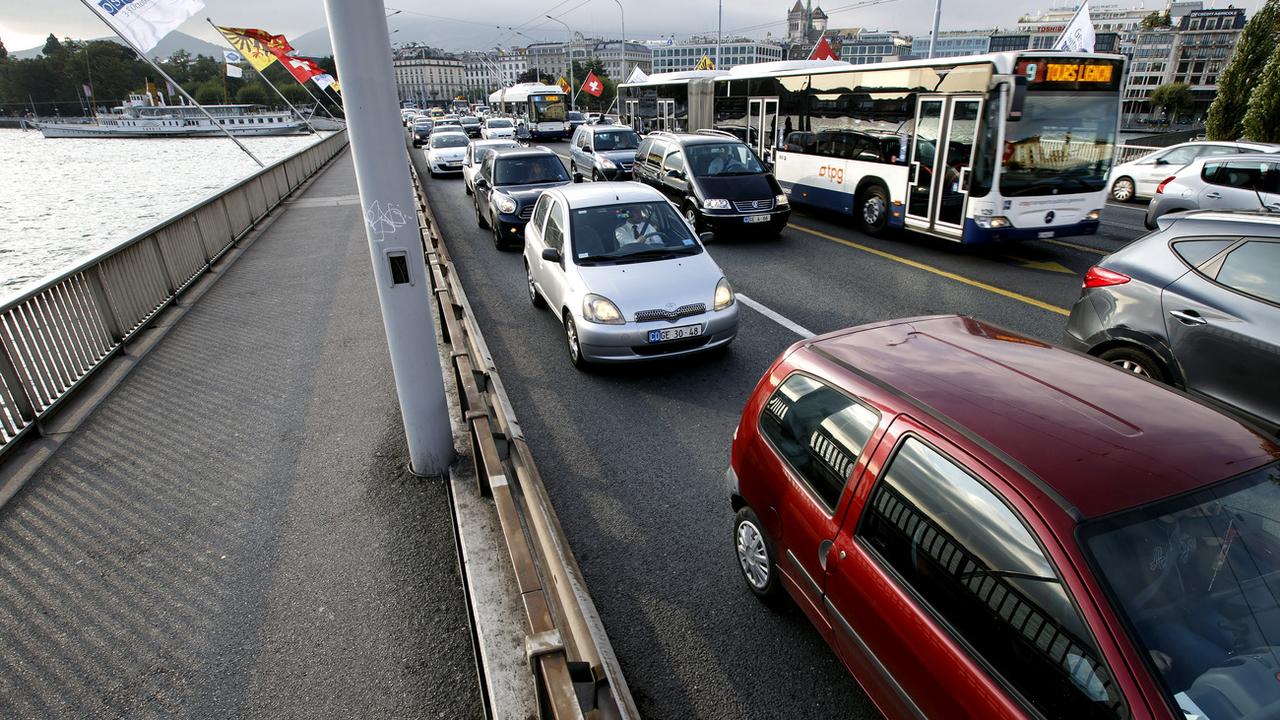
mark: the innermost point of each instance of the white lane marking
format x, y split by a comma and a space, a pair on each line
794, 327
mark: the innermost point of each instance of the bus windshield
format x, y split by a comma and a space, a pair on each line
547, 108
1063, 144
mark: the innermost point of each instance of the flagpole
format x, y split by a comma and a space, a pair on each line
173, 82
264, 79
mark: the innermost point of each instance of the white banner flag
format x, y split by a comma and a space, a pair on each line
145, 22
232, 57
234, 71
637, 75
1079, 36
323, 81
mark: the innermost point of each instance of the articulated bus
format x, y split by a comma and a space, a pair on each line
542, 106
998, 147
674, 101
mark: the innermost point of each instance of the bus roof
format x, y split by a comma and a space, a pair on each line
676, 77
1003, 61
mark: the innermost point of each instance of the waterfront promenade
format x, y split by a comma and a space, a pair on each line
230, 533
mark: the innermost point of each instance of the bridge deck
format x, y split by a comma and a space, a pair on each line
230, 534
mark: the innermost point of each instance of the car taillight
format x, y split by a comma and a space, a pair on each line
1099, 276
1160, 187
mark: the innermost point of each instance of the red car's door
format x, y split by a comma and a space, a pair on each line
943, 602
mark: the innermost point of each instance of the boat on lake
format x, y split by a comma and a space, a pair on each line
147, 116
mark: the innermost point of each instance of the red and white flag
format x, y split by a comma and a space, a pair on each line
592, 85
823, 51
302, 69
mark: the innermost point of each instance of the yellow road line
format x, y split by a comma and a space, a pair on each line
1075, 246
936, 271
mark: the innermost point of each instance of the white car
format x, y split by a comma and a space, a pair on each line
625, 274
1141, 177
495, 128
476, 153
445, 151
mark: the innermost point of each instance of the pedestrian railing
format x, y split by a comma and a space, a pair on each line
1129, 153
57, 334
575, 670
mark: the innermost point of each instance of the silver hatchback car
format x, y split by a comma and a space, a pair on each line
1228, 182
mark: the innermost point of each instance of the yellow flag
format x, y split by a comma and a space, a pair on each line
564, 85
705, 63
336, 87
254, 51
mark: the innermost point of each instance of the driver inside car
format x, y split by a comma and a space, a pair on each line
637, 228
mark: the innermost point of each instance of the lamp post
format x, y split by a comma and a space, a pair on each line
568, 49
622, 13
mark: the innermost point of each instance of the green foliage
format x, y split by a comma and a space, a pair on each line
253, 93
1255, 47
4, 53
1155, 20
1173, 98
1262, 120
295, 93
208, 92
51, 46
589, 102
533, 76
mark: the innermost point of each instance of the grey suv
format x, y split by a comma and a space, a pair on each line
1195, 304
1232, 182
603, 152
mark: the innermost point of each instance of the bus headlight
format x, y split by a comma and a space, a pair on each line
715, 204
1093, 214
992, 222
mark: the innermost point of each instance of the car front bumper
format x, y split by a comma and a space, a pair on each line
446, 167
629, 342
736, 222
510, 227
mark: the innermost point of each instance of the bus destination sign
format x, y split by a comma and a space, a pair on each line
547, 98
1080, 74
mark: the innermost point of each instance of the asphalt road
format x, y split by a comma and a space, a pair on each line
634, 457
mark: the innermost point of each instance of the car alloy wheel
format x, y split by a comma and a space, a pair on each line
1131, 366
691, 215
497, 236
1122, 190
575, 345
1136, 361
534, 298
752, 555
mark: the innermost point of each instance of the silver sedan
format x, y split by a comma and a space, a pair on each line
626, 275
1230, 182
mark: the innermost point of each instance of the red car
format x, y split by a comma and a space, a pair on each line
985, 526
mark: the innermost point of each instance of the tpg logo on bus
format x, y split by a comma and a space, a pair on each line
832, 173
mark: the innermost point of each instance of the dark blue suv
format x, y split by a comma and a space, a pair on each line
508, 184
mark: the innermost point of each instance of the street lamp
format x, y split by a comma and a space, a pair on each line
568, 49
623, 14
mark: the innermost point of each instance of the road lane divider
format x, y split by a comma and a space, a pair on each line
1077, 246
777, 317
935, 270
1049, 265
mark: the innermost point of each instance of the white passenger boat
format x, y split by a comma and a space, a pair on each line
146, 116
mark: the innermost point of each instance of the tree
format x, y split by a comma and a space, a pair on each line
1255, 47
51, 46
179, 65
532, 75
1155, 21
295, 93
253, 93
1173, 98
4, 54
208, 92
1262, 120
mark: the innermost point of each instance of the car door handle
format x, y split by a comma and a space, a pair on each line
824, 549
1213, 195
1189, 317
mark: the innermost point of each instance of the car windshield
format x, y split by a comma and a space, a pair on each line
529, 170
1063, 144
499, 123
448, 140
727, 158
617, 140
631, 232
574, 115
470, 121
1197, 577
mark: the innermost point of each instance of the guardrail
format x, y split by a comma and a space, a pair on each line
1128, 153
57, 334
576, 673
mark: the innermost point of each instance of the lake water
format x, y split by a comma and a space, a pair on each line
62, 199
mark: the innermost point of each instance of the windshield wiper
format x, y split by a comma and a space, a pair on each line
655, 254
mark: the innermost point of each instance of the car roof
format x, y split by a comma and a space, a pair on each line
1259, 222
1078, 432
505, 142
694, 138
523, 152
583, 195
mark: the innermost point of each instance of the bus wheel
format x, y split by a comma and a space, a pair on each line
873, 210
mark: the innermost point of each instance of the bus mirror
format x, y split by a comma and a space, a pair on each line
1017, 98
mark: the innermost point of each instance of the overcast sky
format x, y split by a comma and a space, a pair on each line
472, 25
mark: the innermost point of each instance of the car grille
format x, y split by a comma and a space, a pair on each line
753, 205
671, 315
526, 212
673, 346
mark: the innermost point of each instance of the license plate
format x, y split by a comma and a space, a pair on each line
675, 333
755, 219
1044, 234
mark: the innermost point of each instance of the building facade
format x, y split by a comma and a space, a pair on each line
954, 43
866, 47
1205, 41
609, 53
486, 72
733, 52
429, 80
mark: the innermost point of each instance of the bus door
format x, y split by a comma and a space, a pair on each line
633, 115
762, 126
940, 163
666, 114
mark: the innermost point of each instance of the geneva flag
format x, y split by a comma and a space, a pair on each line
144, 22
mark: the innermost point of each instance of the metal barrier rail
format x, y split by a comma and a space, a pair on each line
57, 334
1127, 153
576, 673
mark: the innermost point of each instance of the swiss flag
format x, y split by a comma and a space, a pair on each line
592, 85
823, 51
302, 69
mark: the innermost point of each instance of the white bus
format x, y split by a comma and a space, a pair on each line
674, 101
543, 107
985, 148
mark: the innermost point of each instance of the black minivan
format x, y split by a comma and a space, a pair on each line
715, 179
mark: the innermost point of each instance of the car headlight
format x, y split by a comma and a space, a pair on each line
992, 222
715, 204
599, 309
1093, 214
724, 294
607, 164
781, 199
505, 204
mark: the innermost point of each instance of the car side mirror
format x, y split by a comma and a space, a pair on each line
678, 175
587, 150
577, 177
707, 237
1161, 161
481, 182
552, 255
